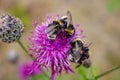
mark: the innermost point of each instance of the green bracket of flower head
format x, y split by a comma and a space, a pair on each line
86, 73
112, 5
21, 13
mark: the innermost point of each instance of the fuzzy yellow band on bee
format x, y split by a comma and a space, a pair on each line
59, 22
77, 39
69, 31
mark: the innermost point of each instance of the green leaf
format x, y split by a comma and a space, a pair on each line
82, 71
86, 74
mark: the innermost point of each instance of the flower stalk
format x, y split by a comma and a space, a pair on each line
22, 46
107, 72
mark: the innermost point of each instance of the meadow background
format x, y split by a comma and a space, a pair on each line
100, 20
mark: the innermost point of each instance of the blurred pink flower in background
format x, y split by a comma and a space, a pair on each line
25, 70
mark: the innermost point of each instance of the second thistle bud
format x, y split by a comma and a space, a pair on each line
10, 28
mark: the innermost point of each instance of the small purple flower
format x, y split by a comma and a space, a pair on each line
50, 53
28, 69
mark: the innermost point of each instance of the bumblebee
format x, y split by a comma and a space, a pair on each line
53, 29
64, 23
69, 28
79, 53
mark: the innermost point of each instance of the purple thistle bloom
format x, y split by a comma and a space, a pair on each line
28, 69
50, 53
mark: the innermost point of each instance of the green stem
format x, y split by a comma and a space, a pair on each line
107, 72
22, 46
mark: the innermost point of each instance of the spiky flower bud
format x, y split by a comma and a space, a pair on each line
10, 28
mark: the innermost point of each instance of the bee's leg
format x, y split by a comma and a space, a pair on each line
78, 65
52, 34
52, 37
71, 58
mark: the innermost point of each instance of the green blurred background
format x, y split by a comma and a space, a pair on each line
100, 20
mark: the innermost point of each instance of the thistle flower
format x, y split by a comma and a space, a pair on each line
48, 53
28, 69
10, 28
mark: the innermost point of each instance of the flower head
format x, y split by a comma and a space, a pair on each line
10, 28
50, 53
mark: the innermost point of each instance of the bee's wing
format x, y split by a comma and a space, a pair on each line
51, 32
69, 16
50, 28
76, 46
77, 52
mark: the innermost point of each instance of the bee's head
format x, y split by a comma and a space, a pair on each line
85, 52
85, 49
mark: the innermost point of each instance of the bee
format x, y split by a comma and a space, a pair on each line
79, 53
69, 28
64, 23
53, 29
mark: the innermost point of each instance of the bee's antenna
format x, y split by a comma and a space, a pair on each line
90, 44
